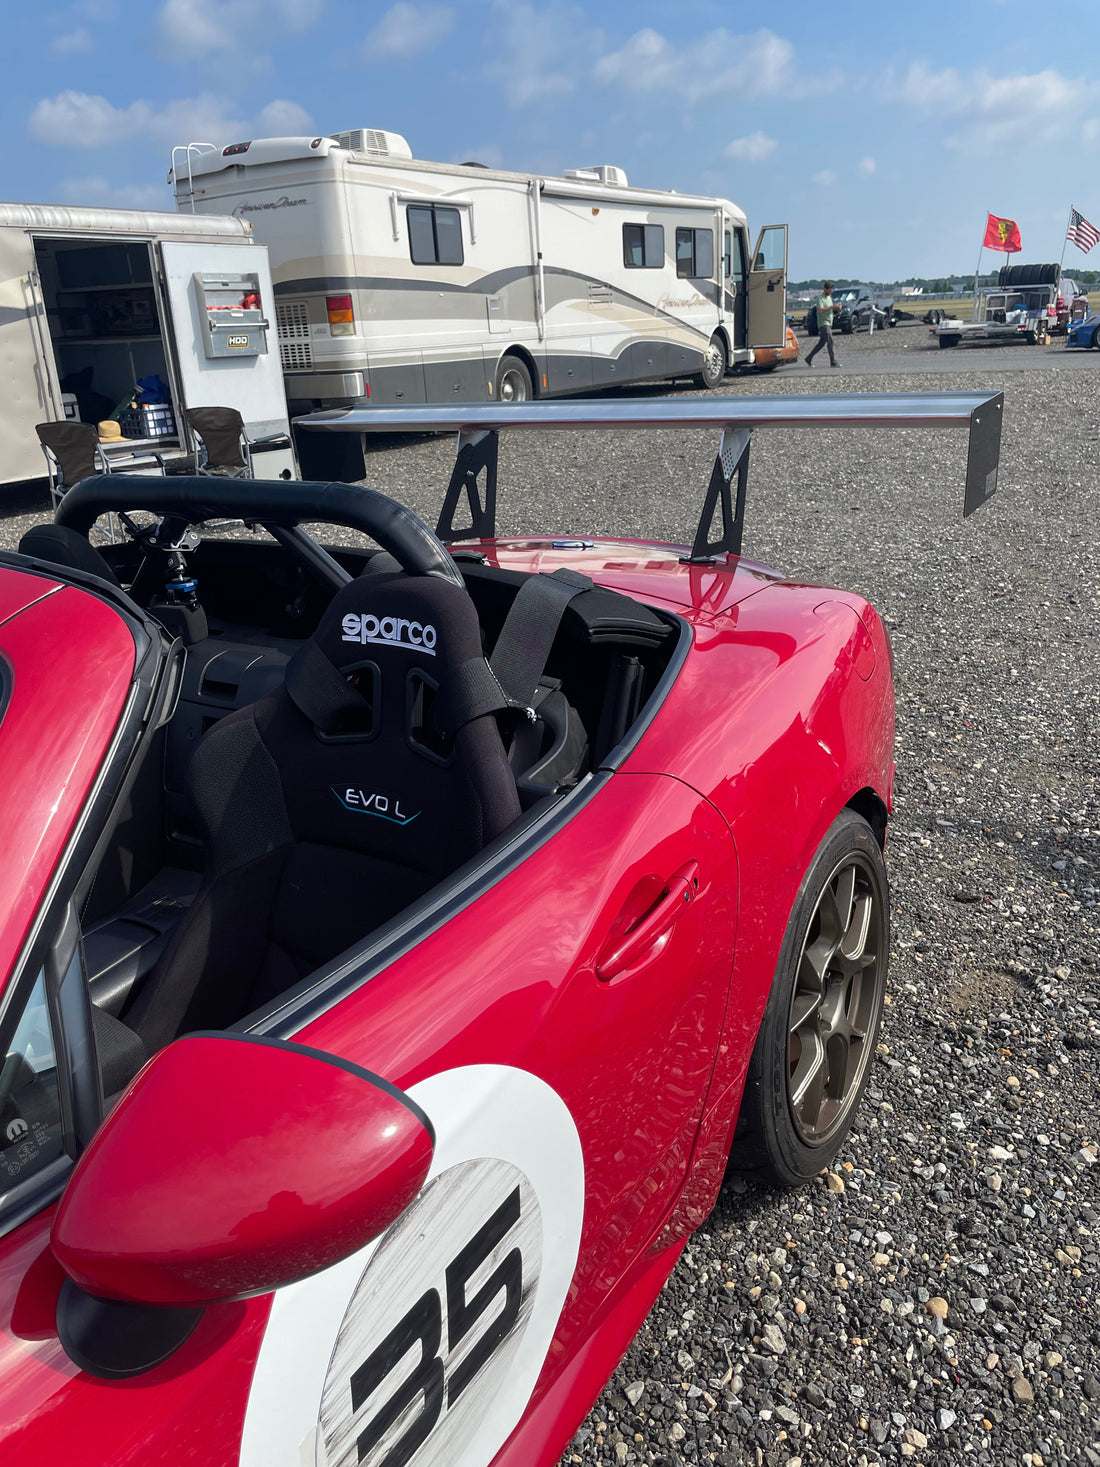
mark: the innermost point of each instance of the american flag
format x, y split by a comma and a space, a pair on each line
1081, 233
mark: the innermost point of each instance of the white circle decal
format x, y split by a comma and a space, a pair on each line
414, 1367
423, 1348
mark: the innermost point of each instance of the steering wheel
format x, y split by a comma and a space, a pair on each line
279, 506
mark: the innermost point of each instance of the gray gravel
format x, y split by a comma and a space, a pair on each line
935, 1297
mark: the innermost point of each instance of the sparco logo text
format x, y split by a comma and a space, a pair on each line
389, 631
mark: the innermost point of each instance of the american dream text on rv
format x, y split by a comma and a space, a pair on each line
401, 281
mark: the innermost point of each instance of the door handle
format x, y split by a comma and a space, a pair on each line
677, 899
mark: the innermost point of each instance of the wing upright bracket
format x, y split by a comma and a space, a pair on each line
732, 461
476, 454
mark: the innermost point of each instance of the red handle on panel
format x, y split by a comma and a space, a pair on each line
629, 950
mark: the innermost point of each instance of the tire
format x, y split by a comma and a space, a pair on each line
513, 381
715, 362
811, 321
1095, 342
816, 1042
891, 318
946, 341
847, 326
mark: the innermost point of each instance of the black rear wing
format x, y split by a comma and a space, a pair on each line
479, 425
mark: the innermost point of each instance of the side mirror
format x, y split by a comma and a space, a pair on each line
233, 1165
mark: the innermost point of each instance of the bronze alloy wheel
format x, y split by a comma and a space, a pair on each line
816, 1041
836, 1003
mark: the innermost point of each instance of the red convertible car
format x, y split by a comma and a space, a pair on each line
397, 942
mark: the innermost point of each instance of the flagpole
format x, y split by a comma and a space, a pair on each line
1069, 221
978, 271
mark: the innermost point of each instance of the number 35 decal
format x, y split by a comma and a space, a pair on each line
422, 1350
396, 1387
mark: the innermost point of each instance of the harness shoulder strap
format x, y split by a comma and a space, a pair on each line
510, 678
518, 659
320, 690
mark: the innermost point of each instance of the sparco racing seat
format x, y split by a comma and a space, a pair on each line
334, 803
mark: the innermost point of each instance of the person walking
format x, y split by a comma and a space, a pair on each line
825, 311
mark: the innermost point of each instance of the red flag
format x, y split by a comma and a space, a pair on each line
1002, 234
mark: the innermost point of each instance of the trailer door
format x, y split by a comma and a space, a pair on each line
29, 392
768, 288
224, 341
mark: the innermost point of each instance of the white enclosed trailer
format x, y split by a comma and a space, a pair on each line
93, 300
402, 281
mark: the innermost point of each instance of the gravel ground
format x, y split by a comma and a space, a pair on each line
934, 1297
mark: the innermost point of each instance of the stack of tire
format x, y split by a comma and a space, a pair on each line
1013, 276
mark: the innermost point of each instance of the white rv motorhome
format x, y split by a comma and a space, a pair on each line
400, 281
93, 300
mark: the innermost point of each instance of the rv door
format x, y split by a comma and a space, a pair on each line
768, 288
222, 309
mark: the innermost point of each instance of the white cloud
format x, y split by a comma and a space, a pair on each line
757, 65
825, 178
282, 119
76, 119
991, 113
73, 43
752, 149
408, 30
97, 191
185, 30
867, 166
538, 52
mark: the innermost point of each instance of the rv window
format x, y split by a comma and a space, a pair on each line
643, 246
695, 253
435, 235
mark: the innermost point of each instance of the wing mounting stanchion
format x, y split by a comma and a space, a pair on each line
476, 453
479, 425
732, 459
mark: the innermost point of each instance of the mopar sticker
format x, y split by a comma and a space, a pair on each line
422, 1349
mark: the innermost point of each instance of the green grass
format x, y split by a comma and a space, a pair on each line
961, 306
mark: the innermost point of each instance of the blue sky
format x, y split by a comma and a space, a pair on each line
882, 137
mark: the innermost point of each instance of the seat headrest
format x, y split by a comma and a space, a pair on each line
61, 545
398, 626
398, 621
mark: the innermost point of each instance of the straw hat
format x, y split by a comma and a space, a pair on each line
109, 431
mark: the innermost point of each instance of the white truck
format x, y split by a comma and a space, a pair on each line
93, 300
404, 281
1023, 308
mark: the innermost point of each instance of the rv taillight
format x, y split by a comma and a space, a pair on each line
341, 321
235, 148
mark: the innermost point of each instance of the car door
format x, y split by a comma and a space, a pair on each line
561, 1031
